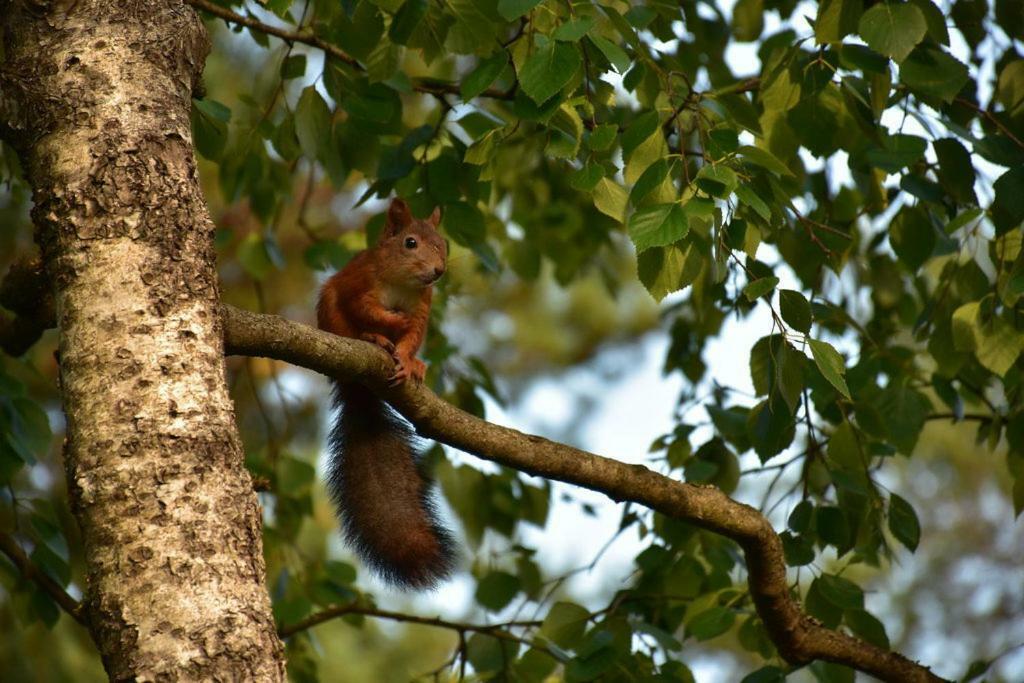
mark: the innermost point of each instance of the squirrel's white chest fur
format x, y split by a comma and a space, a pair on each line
398, 298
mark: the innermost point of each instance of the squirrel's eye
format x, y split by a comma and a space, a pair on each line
410, 242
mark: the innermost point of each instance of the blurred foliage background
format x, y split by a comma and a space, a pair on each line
803, 219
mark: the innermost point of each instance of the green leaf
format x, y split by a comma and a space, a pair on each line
588, 669
966, 326
293, 67
548, 70
845, 457
766, 674
294, 475
612, 52
1008, 207
602, 137
340, 572
933, 74
390, 6
820, 607
710, 623
511, 10
535, 665
762, 360
795, 309
574, 29
1011, 86
657, 226
481, 151
956, 172
759, 287
903, 522
771, 428
488, 654
312, 123
642, 128
977, 669
483, 75
586, 178
999, 345
650, 151
935, 19
833, 528
841, 592
865, 625
797, 549
717, 180
764, 159
285, 141
893, 29
912, 236
566, 132
904, 411
831, 365
383, 61
664, 270
816, 119
11, 462
209, 127
664, 638
30, 433
377, 104
406, 20
610, 199
648, 180
465, 224
748, 196
254, 257
897, 152
361, 33
748, 20
496, 590
837, 19
44, 608
565, 624
996, 343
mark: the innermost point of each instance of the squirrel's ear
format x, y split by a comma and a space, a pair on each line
435, 217
399, 215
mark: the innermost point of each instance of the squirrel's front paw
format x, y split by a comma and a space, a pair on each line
380, 340
418, 370
406, 368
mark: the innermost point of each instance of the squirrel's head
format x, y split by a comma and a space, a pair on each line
415, 250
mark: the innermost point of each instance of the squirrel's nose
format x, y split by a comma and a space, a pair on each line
438, 271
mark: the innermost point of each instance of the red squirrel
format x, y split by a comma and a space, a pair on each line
385, 502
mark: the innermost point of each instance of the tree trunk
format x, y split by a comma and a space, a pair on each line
97, 99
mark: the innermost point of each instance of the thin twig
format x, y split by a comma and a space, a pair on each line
992, 119
30, 571
329, 613
423, 85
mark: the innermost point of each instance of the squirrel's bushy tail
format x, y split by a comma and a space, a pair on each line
384, 500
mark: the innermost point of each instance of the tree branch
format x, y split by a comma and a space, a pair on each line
28, 570
495, 630
798, 637
428, 86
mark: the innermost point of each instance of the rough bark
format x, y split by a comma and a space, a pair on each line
798, 637
97, 97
